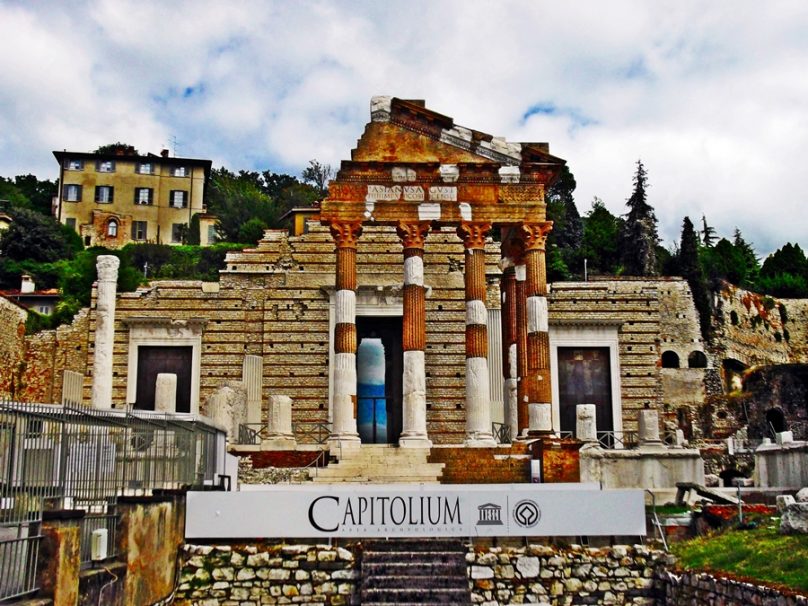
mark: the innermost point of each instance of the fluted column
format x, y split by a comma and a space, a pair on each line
343, 432
509, 368
521, 349
478, 405
539, 392
414, 432
107, 266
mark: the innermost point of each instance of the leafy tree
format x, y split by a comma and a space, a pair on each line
252, 230
639, 237
564, 241
193, 231
235, 199
11, 196
790, 259
34, 237
318, 175
691, 270
600, 239
111, 148
38, 192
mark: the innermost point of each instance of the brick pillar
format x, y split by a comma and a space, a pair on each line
414, 432
509, 349
538, 389
478, 405
521, 349
59, 556
343, 432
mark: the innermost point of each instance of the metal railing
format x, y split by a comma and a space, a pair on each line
618, 439
502, 432
317, 433
74, 457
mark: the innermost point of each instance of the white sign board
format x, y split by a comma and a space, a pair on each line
408, 510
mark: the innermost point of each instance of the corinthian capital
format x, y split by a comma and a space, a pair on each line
412, 235
534, 235
346, 234
473, 234
107, 266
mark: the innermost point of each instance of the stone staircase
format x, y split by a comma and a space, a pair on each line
412, 572
381, 464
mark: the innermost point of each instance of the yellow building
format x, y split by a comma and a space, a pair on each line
114, 198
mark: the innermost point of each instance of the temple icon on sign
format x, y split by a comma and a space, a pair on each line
489, 515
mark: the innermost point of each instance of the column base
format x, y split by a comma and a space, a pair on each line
415, 441
279, 443
342, 444
480, 440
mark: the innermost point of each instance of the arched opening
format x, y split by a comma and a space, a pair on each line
112, 229
776, 420
670, 359
697, 359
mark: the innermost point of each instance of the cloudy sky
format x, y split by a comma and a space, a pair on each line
712, 96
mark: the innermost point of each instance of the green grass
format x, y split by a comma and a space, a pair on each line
761, 554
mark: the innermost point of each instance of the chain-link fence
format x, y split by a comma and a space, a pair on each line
74, 457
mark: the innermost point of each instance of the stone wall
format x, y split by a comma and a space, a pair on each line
12, 334
249, 575
684, 589
750, 327
554, 576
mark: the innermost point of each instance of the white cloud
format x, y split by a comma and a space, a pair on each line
711, 96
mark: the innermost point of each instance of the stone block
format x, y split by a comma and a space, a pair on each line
783, 501
802, 495
795, 519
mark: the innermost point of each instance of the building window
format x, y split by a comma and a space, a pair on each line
697, 359
112, 229
145, 168
104, 194
139, 230
178, 231
105, 166
72, 193
179, 198
74, 164
211, 234
144, 195
179, 171
71, 223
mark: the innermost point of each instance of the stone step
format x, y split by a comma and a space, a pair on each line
412, 568
412, 545
413, 557
416, 596
422, 582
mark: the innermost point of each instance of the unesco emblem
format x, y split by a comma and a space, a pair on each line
526, 513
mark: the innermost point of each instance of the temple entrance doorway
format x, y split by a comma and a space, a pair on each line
380, 368
152, 360
584, 377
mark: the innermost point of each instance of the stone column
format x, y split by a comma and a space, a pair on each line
509, 355
107, 266
279, 424
414, 432
252, 375
538, 387
165, 393
478, 405
343, 432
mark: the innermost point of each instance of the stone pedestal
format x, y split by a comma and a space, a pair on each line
586, 429
279, 426
648, 423
59, 557
540, 419
165, 393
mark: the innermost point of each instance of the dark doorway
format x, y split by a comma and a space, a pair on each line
584, 377
388, 329
152, 360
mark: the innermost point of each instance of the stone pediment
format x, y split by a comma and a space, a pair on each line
415, 165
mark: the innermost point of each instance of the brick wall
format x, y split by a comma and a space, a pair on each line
504, 465
12, 333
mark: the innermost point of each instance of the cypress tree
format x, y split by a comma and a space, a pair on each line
640, 237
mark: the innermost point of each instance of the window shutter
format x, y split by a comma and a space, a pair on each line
111, 193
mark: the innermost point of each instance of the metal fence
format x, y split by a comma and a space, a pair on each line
74, 457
